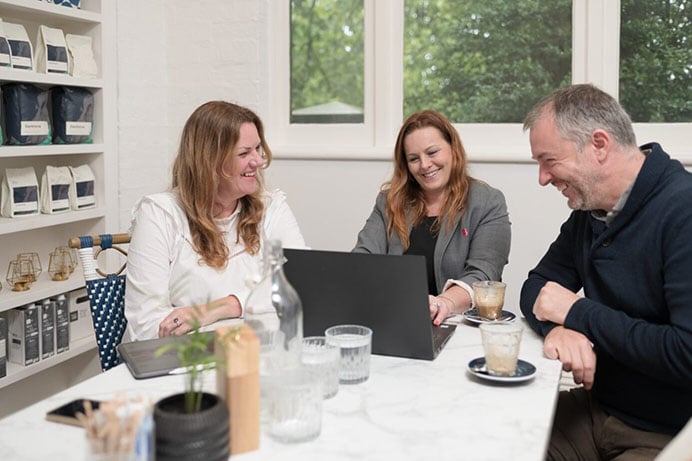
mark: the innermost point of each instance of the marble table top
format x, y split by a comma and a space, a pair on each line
407, 410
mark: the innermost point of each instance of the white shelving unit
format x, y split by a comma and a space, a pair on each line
16, 373
42, 233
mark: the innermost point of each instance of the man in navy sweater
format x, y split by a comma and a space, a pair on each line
627, 337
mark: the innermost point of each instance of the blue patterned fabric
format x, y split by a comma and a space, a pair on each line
69, 3
107, 301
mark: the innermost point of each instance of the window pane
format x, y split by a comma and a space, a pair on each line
656, 60
485, 61
327, 58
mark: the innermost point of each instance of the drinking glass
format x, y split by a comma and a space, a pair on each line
355, 342
501, 343
489, 297
295, 406
322, 361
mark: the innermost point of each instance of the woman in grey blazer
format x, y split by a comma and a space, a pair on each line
432, 207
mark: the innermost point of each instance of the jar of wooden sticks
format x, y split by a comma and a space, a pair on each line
119, 430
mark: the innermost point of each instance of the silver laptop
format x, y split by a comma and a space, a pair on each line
140, 356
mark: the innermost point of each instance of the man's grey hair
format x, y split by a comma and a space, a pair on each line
581, 109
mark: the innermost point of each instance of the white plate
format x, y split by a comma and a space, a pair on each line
472, 316
525, 371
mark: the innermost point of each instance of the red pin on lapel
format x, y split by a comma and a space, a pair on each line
464, 232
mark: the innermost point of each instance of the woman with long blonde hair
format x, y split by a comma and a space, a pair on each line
193, 247
432, 207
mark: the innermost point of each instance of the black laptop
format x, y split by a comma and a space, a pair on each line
387, 293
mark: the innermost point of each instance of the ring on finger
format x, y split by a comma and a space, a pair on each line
176, 321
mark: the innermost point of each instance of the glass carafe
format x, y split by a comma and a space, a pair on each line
274, 311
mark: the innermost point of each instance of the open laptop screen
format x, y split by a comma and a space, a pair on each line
386, 293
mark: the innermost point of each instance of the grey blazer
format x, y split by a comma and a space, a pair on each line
476, 247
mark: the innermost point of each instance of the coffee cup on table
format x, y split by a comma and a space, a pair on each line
489, 297
501, 342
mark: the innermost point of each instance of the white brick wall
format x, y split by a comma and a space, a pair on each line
174, 55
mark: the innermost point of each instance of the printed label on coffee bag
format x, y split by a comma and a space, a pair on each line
78, 128
56, 59
60, 199
25, 200
85, 194
34, 128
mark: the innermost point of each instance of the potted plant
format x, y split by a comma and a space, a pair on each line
193, 424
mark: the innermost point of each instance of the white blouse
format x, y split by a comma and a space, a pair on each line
164, 270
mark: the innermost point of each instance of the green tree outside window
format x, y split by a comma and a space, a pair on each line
656, 60
485, 61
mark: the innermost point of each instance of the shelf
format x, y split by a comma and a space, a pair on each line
16, 372
43, 232
34, 10
43, 288
50, 150
12, 225
29, 76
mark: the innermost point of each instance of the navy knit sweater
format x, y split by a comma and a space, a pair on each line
637, 310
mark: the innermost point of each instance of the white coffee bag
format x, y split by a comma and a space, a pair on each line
82, 191
2, 117
4, 48
51, 51
81, 56
55, 189
19, 192
21, 50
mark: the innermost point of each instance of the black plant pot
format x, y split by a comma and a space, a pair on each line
203, 435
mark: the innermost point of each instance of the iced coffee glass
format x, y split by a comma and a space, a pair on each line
501, 343
489, 297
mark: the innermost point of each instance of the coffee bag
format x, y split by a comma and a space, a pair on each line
21, 50
26, 114
4, 48
82, 62
73, 115
51, 51
82, 192
19, 192
55, 189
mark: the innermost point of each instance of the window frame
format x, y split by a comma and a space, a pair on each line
595, 59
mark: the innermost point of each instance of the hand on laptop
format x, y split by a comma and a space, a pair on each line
452, 301
441, 307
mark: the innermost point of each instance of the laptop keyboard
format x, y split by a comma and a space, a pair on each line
438, 335
441, 335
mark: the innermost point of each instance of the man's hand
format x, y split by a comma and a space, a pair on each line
575, 352
553, 303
